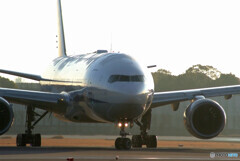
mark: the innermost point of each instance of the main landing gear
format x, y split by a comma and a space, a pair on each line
144, 139
137, 140
28, 137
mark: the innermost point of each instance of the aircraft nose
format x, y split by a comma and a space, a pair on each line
128, 86
128, 103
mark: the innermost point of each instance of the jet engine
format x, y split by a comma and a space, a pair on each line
204, 118
6, 116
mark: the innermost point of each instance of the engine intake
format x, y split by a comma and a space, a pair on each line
6, 116
204, 118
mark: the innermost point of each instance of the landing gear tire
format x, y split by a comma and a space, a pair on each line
136, 141
118, 143
21, 141
123, 144
151, 141
36, 140
32, 139
127, 143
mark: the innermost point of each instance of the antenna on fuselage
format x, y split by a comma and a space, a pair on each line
60, 36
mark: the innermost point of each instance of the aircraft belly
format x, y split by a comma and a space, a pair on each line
115, 112
91, 113
81, 118
117, 107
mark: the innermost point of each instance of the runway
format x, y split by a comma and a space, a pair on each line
177, 151
110, 154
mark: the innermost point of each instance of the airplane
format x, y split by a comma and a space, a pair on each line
106, 87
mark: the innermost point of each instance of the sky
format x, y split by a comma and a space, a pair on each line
172, 34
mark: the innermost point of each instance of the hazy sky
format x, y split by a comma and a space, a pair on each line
173, 34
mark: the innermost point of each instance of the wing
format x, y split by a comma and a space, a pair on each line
24, 75
175, 97
30, 76
44, 100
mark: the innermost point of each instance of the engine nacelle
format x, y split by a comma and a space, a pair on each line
204, 118
6, 116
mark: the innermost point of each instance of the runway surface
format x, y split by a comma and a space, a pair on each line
171, 150
110, 154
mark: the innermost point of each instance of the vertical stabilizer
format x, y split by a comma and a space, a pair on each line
61, 39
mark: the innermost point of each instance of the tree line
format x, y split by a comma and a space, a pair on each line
197, 76
7, 83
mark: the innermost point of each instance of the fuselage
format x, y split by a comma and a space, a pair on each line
113, 85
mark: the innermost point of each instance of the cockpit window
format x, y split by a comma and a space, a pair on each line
126, 78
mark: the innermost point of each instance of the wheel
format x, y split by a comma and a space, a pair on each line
136, 141
151, 141
123, 143
127, 144
21, 140
119, 143
36, 141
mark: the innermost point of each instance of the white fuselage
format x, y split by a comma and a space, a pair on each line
114, 85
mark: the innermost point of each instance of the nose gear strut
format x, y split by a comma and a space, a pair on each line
123, 143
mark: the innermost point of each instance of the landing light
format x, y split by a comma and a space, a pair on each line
122, 124
119, 124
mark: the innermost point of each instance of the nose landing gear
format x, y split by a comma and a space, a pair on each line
123, 143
